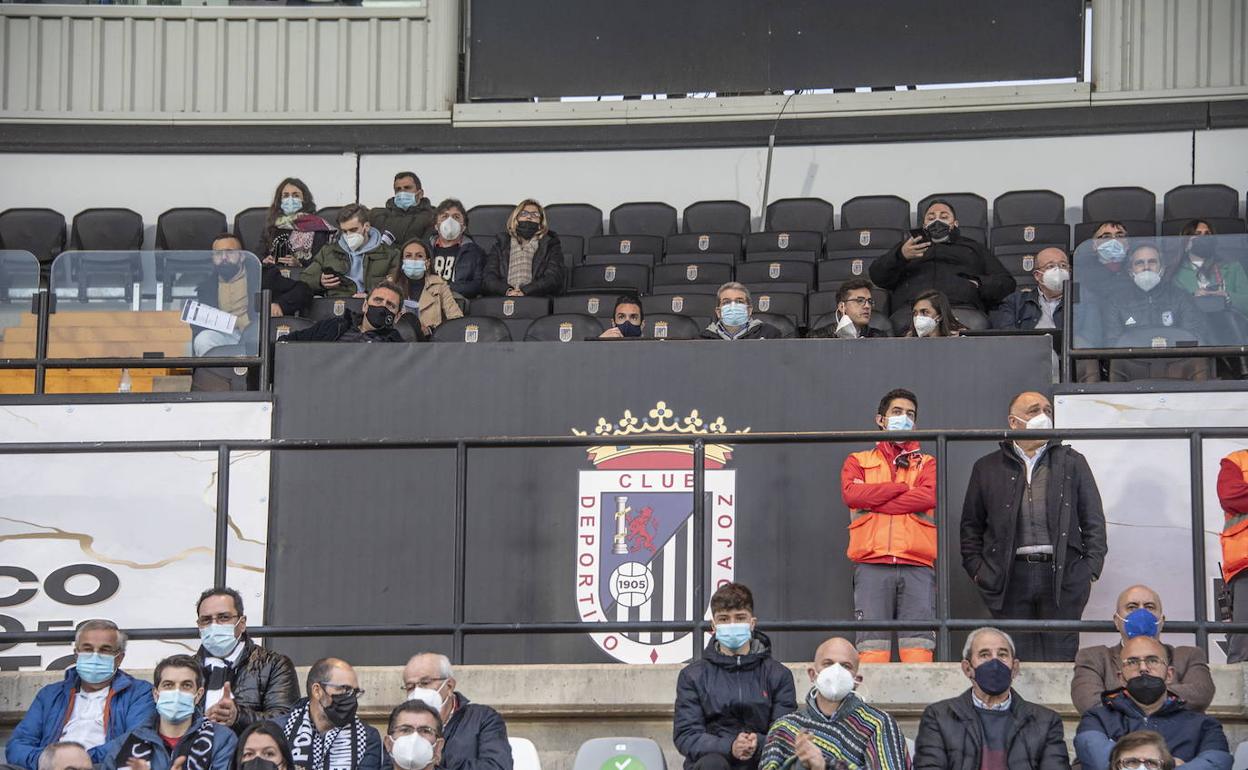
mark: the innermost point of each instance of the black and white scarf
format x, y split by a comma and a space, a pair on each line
340, 748
196, 746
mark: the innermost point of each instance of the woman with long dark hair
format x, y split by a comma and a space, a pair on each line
1203, 272
931, 316
263, 742
424, 291
292, 230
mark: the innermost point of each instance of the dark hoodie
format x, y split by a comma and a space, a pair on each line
402, 226
721, 695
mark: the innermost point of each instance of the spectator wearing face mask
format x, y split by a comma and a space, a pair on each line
424, 292
1203, 271
263, 747
527, 259
476, 735
628, 319
854, 306
1139, 613
990, 727
727, 700
891, 495
293, 233
733, 320
407, 215
835, 728
942, 259
1148, 302
230, 289
414, 737
1144, 701
1033, 531
355, 262
324, 730
375, 324
1111, 254
1141, 750
931, 316
457, 258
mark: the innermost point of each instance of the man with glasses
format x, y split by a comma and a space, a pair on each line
323, 729
414, 736
854, 305
1145, 702
245, 682
476, 736
1141, 750
95, 703
733, 321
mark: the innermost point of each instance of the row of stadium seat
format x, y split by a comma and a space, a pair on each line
1022, 221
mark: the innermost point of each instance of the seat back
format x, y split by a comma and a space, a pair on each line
564, 327
971, 318
873, 240
249, 225
1200, 201
802, 245
330, 214
691, 247
280, 327
812, 214
332, 307
787, 304
868, 211
787, 328
489, 219
667, 326
106, 229
692, 272
644, 218
1029, 207
471, 328
523, 754
622, 753
621, 277
844, 268
189, 229
39, 231
510, 307
699, 307
716, 217
596, 304
1120, 204
757, 275
575, 219
625, 245
970, 209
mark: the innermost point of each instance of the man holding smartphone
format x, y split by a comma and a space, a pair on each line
355, 262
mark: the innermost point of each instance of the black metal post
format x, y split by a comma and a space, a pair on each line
43, 314
1068, 331
266, 350
1200, 601
943, 522
699, 540
461, 551
220, 557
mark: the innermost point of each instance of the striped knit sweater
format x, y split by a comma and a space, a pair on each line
858, 735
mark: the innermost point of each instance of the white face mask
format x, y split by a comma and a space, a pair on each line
353, 241
1040, 422
1147, 279
1054, 278
845, 328
430, 697
835, 682
450, 229
924, 325
412, 752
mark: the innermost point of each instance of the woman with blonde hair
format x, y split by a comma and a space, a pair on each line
527, 260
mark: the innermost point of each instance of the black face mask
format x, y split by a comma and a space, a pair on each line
1203, 247
939, 231
379, 317
526, 230
1146, 688
341, 709
257, 763
227, 270
628, 329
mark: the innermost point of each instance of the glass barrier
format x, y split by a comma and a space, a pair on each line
19, 283
163, 304
1169, 291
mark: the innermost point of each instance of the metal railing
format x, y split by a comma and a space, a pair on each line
43, 305
460, 628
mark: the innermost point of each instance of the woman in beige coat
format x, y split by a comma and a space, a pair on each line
424, 292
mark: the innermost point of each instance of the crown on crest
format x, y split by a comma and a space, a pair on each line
660, 419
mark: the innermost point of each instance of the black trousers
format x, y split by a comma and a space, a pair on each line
1029, 595
713, 762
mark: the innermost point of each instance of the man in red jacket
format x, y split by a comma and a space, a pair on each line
891, 494
1233, 494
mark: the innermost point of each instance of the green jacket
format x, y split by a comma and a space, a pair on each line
378, 263
1234, 280
416, 222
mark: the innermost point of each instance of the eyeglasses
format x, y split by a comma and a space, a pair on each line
425, 684
533, 215
343, 689
1134, 763
221, 618
423, 731
862, 301
1152, 662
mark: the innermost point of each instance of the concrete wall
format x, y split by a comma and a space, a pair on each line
560, 707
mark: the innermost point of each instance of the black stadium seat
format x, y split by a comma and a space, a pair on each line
724, 248
1201, 201
667, 326
472, 328
804, 245
871, 211
699, 307
280, 327
615, 277
106, 229
189, 229
1135, 229
1028, 239
515, 312
644, 218
1029, 207
812, 214
332, 307
692, 272
762, 276
790, 305
625, 245
1220, 225
787, 328
872, 241
845, 268
716, 217
597, 304
249, 225
970, 209
564, 327
1135, 207
573, 250
39, 231
330, 214
580, 219
489, 219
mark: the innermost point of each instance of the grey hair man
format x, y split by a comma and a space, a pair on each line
64, 755
475, 735
734, 319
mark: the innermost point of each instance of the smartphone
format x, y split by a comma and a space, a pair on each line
921, 234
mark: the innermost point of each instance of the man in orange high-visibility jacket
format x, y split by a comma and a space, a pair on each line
1233, 494
891, 494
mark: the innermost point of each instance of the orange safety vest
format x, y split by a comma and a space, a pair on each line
1235, 530
872, 536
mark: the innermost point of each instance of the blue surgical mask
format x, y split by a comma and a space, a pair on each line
218, 639
414, 268
1139, 622
405, 200
899, 422
734, 314
175, 706
94, 668
733, 636
1109, 251
292, 205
